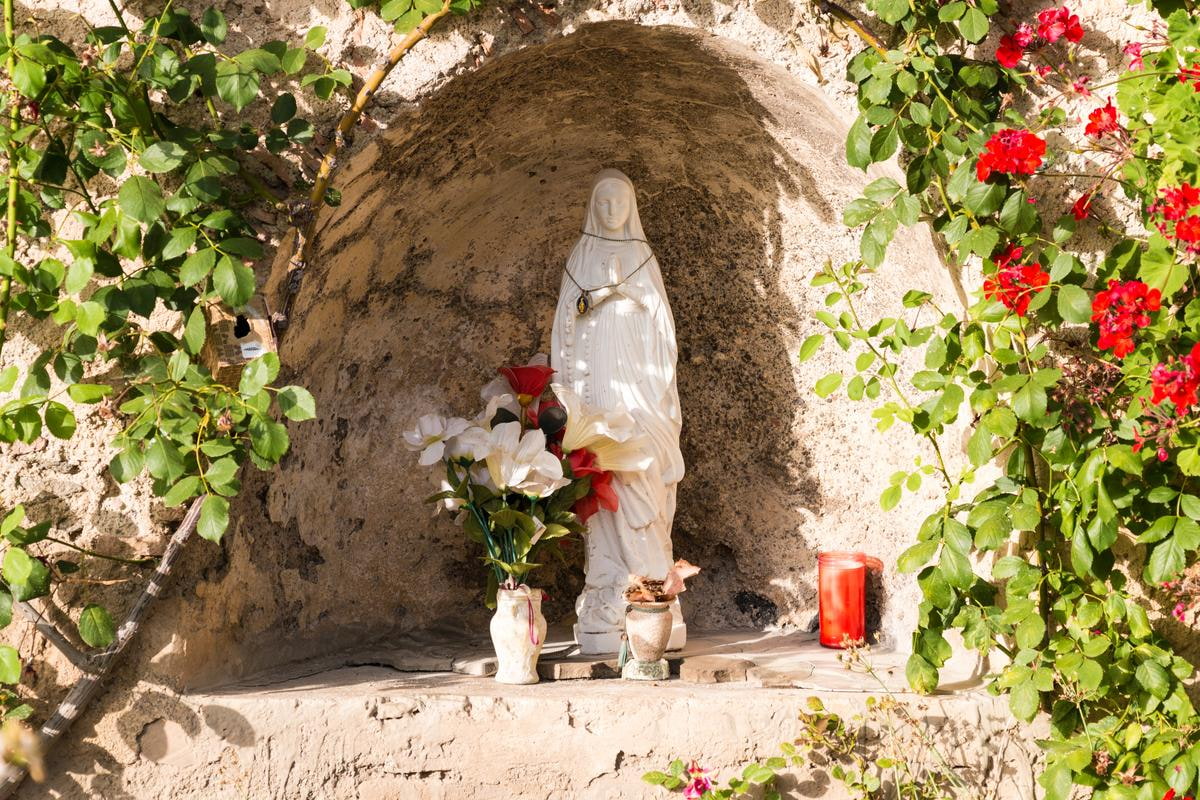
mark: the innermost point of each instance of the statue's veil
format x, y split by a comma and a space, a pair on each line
650, 283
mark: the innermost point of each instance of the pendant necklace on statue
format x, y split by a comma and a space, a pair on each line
583, 303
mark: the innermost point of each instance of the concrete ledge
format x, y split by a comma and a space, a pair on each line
377, 733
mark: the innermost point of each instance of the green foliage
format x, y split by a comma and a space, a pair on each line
408, 14
131, 175
1028, 563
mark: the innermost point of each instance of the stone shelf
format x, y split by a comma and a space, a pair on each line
402, 723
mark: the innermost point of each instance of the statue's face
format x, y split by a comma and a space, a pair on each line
612, 205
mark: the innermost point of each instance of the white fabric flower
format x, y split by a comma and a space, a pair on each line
521, 463
612, 435
473, 444
430, 435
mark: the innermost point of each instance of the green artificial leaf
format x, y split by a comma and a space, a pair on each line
1074, 304
234, 281
142, 199
10, 665
96, 627
297, 403
214, 518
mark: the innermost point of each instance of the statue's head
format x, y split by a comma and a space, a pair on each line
612, 200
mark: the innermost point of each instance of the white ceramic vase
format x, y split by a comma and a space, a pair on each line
518, 632
648, 626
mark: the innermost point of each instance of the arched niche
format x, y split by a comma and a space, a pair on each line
443, 262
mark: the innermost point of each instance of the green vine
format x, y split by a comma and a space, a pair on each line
1076, 508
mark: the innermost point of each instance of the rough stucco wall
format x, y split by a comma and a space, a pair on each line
444, 261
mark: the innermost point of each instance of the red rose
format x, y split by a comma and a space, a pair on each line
1012, 152
528, 382
1101, 121
583, 462
1120, 310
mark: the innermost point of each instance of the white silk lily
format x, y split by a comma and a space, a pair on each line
472, 444
430, 435
519, 463
612, 436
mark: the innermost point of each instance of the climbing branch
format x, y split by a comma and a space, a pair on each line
851, 22
88, 687
10, 216
306, 223
48, 629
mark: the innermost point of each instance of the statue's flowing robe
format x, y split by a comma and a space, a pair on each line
622, 354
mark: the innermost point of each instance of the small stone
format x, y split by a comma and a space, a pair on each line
714, 669
577, 670
481, 665
767, 678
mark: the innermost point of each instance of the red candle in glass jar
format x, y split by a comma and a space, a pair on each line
842, 596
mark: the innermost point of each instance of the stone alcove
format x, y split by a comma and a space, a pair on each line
443, 262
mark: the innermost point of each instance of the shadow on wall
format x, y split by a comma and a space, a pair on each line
443, 263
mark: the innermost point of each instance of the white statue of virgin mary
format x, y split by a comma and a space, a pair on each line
613, 345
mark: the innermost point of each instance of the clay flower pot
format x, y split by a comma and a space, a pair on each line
648, 628
518, 630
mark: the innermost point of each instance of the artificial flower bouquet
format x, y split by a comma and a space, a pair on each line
529, 470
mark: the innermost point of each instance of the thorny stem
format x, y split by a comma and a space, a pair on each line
10, 227
307, 227
137, 562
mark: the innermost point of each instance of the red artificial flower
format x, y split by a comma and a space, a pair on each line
1120, 310
1079, 86
1044, 70
601, 494
1177, 380
1134, 51
1103, 120
1011, 152
1191, 75
528, 381
1014, 284
1024, 34
1082, 208
1057, 23
1170, 795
